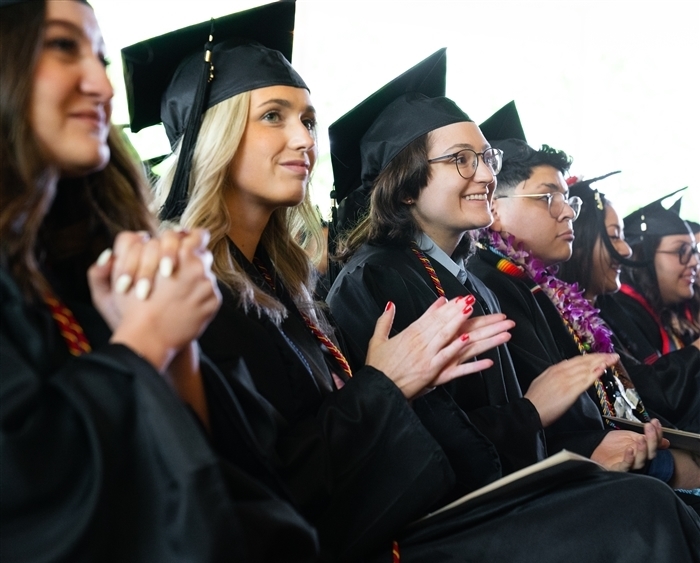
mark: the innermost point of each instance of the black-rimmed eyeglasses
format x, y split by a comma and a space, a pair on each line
555, 202
467, 161
685, 252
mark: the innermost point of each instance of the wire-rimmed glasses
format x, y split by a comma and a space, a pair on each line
467, 161
555, 202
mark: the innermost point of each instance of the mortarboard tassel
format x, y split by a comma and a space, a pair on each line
176, 202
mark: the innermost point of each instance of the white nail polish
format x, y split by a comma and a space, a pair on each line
123, 283
104, 257
165, 268
142, 289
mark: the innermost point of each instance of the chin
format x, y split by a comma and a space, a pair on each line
83, 167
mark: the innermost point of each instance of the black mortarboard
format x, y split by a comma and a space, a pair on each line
503, 130
367, 137
655, 219
504, 124
590, 196
594, 203
694, 227
168, 75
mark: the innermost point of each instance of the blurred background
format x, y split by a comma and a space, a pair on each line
613, 83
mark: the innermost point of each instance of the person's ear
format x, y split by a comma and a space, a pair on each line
496, 226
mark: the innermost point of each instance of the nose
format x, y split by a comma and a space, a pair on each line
483, 172
623, 248
302, 138
95, 81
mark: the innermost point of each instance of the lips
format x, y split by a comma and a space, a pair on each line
297, 166
567, 235
94, 117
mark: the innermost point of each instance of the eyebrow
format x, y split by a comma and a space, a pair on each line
552, 188
460, 146
286, 104
73, 28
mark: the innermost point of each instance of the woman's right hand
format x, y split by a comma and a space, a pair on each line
433, 349
178, 307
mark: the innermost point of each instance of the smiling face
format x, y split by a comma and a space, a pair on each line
70, 106
528, 219
675, 279
272, 165
605, 274
450, 205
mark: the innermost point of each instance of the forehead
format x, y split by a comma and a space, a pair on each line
544, 179
77, 16
295, 96
461, 133
611, 215
676, 240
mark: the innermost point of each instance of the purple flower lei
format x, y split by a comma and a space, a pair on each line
567, 298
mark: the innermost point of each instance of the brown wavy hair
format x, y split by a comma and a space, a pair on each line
44, 218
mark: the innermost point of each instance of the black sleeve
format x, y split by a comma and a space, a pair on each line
533, 349
358, 298
670, 386
102, 462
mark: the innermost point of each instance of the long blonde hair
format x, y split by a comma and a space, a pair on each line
219, 137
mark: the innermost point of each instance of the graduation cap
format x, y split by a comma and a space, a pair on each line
503, 130
590, 196
504, 124
594, 202
174, 78
369, 136
655, 219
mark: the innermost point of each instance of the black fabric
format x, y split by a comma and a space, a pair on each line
492, 399
362, 464
357, 462
670, 384
540, 340
349, 167
150, 66
102, 462
654, 219
504, 124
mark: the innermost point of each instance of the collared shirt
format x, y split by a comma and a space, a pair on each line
426, 244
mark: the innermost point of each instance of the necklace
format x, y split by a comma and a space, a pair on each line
616, 393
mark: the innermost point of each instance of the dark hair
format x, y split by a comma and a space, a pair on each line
519, 159
589, 228
645, 281
389, 218
109, 200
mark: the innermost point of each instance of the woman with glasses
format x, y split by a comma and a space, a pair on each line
670, 386
431, 174
649, 313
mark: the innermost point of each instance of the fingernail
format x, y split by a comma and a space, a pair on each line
389, 305
464, 337
470, 299
165, 268
468, 309
104, 257
123, 284
142, 289
459, 298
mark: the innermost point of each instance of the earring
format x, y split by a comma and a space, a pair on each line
408, 201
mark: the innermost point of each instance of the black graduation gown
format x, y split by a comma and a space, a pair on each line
668, 383
539, 340
492, 399
361, 464
102, 462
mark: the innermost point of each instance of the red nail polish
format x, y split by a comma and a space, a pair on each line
464, 337
389, 305
459, 298
468, 309
470, 299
